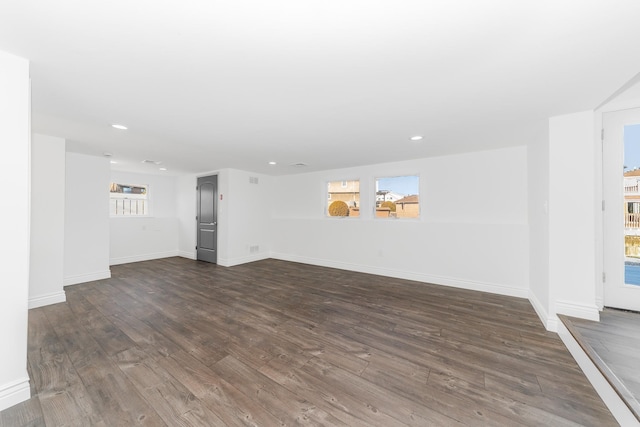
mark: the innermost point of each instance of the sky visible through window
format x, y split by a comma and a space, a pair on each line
406, 185
632, 147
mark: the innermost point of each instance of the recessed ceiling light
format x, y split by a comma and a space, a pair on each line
272, 163
113, 162
163, 169
117, 126
416, 138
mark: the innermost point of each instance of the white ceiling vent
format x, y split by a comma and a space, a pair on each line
299, 165
151, 162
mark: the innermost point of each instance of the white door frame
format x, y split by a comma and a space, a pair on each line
614, 292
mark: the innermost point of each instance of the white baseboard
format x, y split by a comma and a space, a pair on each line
188, 254
588, 312
230, 262
90, 277
42, 300
550, 323
142, 257
618, 408
14, 392
600, 303
407, 275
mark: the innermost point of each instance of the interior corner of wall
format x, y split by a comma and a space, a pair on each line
48, 299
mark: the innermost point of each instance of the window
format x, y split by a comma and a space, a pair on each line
343, 198
128, 200
398, 197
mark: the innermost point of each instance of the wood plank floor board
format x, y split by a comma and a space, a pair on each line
144, 336
343, 405
418, 353
220, 397
61, 394
274, 343
511, 411
379, 398
112, 396
288, 407
612, 344
175, 404
26, 414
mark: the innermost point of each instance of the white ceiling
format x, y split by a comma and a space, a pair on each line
208, 84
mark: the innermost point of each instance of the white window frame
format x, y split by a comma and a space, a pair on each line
124, 202
342, 184
375, 197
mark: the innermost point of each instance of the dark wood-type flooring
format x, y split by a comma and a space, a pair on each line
271, 343
613, 344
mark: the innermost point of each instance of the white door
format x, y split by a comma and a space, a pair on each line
620, 225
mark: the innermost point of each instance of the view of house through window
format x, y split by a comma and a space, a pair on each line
398, 197
343, 198
128, 200
631, 188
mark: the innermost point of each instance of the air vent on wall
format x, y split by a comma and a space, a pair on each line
253, 180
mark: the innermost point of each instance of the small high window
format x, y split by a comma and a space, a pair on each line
128, 200
343, 198
398, 197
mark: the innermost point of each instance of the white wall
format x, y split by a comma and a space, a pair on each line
47, 220
244, 217
86, 225
572, 246
473, 231
538, 163
186, 211
14, 228
223, 217
133, 239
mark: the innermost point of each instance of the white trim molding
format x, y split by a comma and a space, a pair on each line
600, 303
14, 392
618, 408
187, 254
48, 299
82, 278
142, 257
550, 322
588, 312
230, 262
493, 288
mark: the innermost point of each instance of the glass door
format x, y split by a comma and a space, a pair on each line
621, 217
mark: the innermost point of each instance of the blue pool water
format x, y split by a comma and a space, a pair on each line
631, 274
